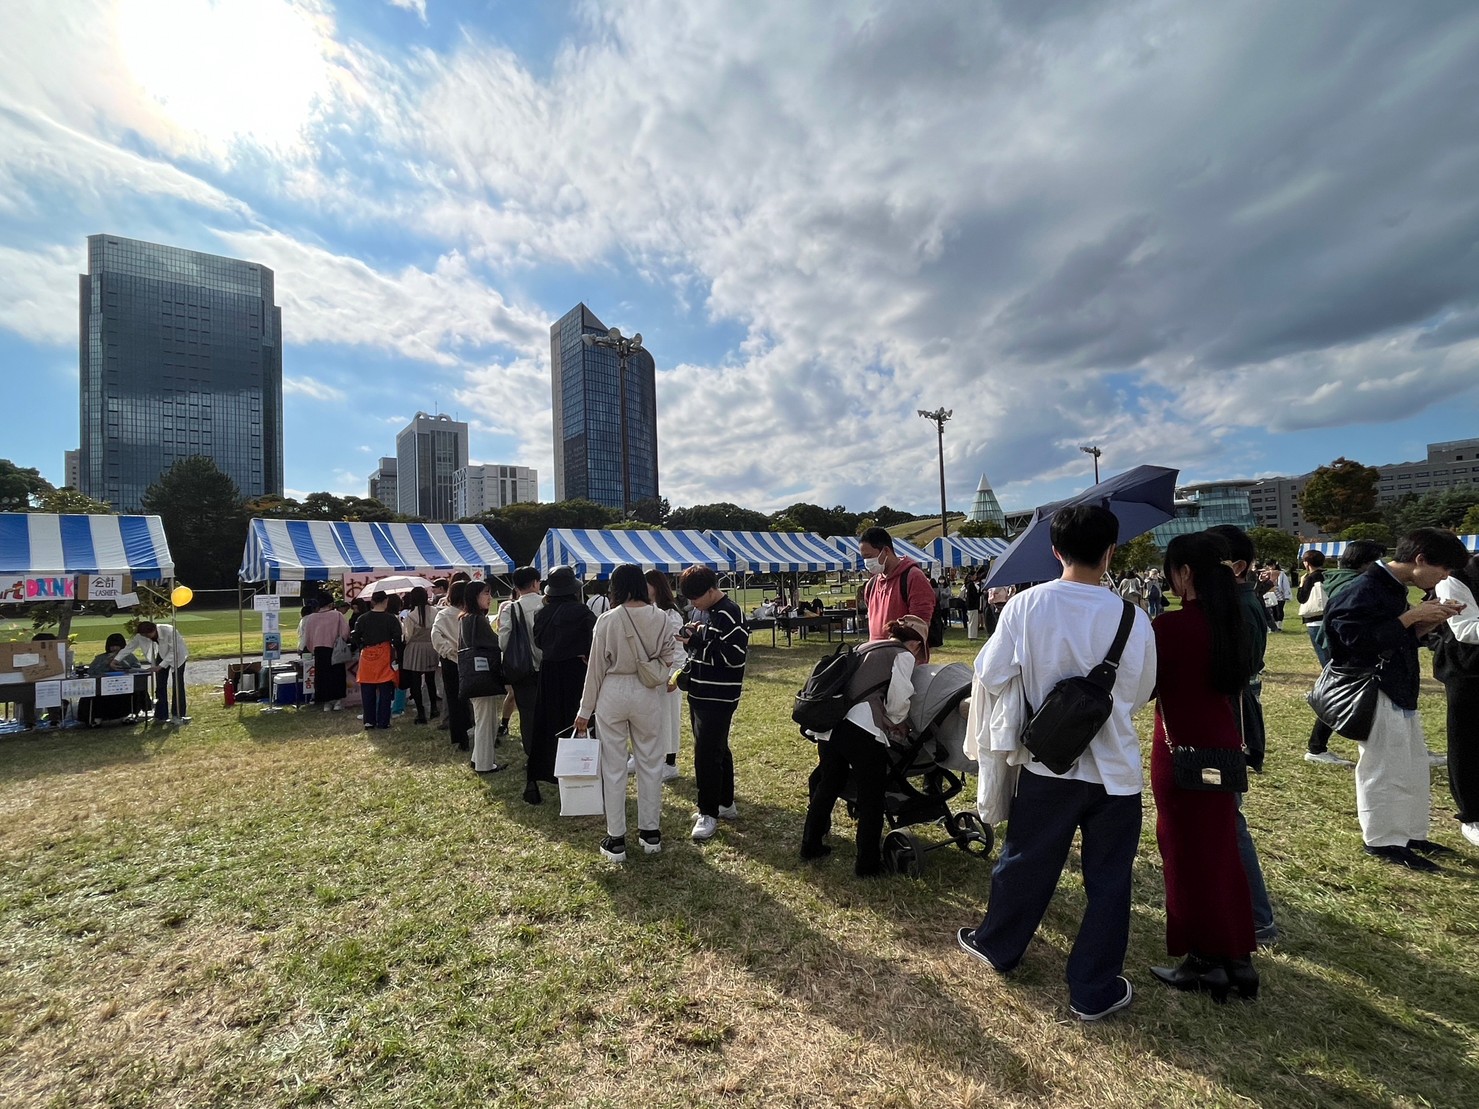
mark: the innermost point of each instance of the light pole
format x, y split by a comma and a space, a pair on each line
940, 415
625, 348
1096, 452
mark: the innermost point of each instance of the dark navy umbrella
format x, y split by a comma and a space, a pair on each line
1141, 499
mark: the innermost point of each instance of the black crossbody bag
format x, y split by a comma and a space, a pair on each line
1076, 708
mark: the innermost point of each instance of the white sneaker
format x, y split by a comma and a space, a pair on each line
1437, 762
728, 812
631, 764
669, 772
337, 706
704, 828
1471, 832
1327, 758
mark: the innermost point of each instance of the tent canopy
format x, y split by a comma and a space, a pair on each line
315, 550
849, 546
594, 554
45, 544
960, 551
1334, 548
770, 552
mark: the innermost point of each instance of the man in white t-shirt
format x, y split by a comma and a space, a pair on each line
1058, 630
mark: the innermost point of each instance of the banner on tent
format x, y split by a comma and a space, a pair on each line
353, 583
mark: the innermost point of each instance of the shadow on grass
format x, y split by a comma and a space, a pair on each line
25, 756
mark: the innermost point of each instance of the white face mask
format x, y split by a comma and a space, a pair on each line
873, 565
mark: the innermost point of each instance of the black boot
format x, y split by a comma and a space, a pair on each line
1196, 973
531, 793
1243, 976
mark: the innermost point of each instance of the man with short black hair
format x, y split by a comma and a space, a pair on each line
1370, 624
1063, 629
718, 649
898, 586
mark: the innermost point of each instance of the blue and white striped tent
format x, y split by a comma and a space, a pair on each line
772, 552
1331, 549
960, 551
316, 550
848, 545
1472, 542
45, 544
594, 554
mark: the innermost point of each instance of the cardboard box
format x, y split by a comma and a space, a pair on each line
32, 662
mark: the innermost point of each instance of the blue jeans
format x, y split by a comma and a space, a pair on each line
1045, 814
376, 697
1320, 652
1263, 910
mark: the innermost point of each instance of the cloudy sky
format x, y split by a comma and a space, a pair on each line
1237, 238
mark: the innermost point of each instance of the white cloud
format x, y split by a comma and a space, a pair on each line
416, 6
38, 293
301, 386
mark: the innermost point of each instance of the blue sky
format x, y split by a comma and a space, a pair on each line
1235, 239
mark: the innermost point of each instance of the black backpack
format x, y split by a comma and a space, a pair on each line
936, 636
1076, 708
518, 658
823, 702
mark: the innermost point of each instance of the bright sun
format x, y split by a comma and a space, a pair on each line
226, 71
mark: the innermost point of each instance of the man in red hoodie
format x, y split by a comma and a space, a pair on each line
898, 586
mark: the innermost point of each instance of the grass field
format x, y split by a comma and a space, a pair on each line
277, 910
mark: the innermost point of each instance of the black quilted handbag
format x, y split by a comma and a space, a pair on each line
1344, 698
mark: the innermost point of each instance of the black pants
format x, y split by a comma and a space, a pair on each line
713, 762
412, 681
526, 700
169, 693
1463, 746
851, 750
459, 716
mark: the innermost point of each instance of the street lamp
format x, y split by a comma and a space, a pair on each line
1096, 452
624, 348
940, 415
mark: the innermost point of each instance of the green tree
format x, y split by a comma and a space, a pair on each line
981, 529
1377, 533
885, 517
650, 510
203, 518
520, 527
1445, 509
721, 516
1139, 553
1340, 494
1469, 525
1272, 545
20, 489
68, 501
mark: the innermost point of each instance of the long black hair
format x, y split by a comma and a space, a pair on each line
417, 600
1206, 556
628, 584
470, 594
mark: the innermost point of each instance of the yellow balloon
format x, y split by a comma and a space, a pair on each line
182, 595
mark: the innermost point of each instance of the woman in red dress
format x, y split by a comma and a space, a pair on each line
1202, 664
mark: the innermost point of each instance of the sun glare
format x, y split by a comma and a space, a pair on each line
228, 71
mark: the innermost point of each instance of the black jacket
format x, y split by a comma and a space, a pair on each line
562, 629
1363, 626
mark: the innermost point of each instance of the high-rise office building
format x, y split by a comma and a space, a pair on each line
605, 421
72, 460
429, 451
479, 489
383, 486
181, 355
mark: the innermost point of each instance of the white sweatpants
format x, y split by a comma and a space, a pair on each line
672, 721
1393, 795
484, 730
973, 623
630, 714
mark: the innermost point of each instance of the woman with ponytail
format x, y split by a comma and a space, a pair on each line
1202, 668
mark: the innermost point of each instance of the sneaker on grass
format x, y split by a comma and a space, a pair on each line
669, 772
651, 841
1327, 757
1122, 1003
614, 849
1471, 832
704, 828
966, 938
728, 812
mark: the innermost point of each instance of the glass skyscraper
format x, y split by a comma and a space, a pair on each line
429, 451
605, 425
181, 355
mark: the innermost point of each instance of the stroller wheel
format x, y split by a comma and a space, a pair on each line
971, 835
903, 853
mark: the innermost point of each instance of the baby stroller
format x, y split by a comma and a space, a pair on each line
926, 772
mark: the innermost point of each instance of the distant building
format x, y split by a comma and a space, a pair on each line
73, 468
1206, 505
479, 489
180, 355
605, 423
383, 487
428, 452
986, 509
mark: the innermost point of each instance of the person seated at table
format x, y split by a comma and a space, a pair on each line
766, 611
108, 661
113, 706
813, 607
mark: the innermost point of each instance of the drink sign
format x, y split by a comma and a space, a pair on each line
51, 589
